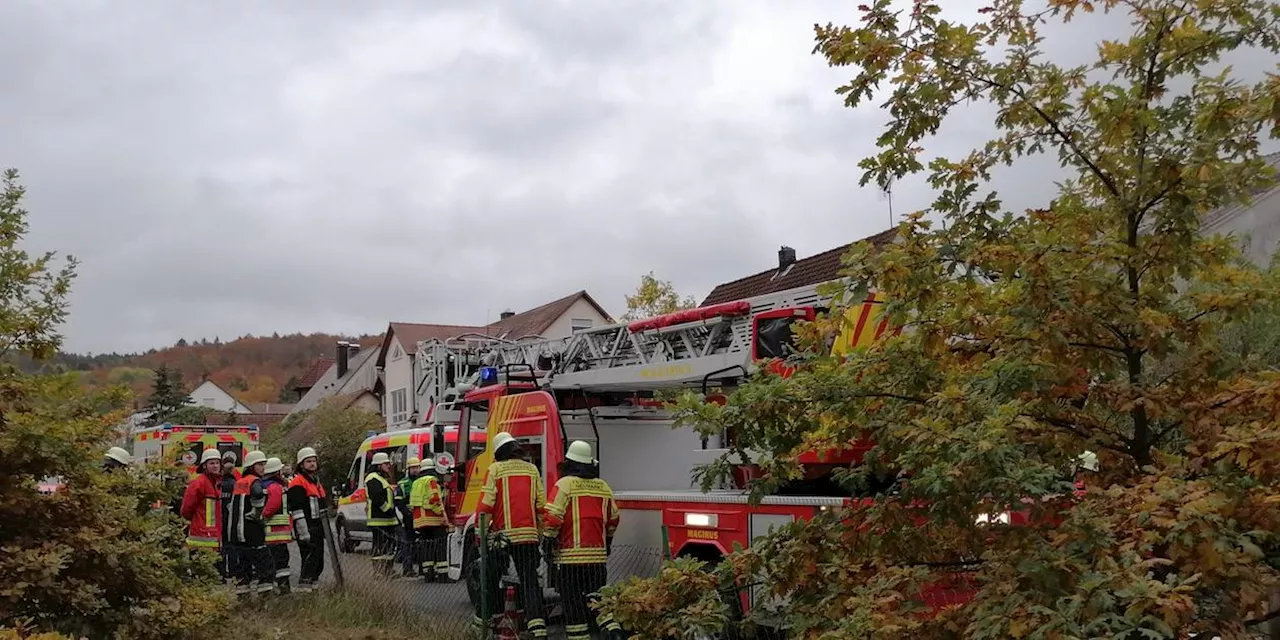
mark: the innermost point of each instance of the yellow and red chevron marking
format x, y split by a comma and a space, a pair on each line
864, 324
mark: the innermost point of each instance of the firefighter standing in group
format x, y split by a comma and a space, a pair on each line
201, 505
248, 533
581, 517
115, 458
406, 550
306, 508
279, 528
429, 522
227, 486
380, 511
514, 498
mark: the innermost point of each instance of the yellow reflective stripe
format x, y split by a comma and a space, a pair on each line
506, 501
201, 541
521, 534
278, 520
209, 507
381, 522
279, 537
577, 521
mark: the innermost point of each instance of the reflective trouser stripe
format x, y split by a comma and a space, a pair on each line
203, 542
282, 573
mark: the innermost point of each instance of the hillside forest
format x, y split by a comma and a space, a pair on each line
251, 368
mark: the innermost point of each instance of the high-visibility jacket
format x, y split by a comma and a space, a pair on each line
513, 496
427, 503
305, 505
379, 505
582, 515
275, 513
202, 508
248, 500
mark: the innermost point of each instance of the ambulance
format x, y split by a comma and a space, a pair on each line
158, 444
349, 524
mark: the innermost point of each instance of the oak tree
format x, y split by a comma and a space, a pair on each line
654, 297
1094, 323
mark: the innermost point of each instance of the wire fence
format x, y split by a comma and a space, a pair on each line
418, 577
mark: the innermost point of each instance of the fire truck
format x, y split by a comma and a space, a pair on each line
599, 384
158, 443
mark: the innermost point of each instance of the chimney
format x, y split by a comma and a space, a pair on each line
505, 314
343, 353
786, 257
353, 348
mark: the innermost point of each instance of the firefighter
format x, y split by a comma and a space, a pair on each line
279, 528
406, 551
306, 508
380, 511
513, 497
248, 532
200, 505
429, 523
227, 486
581, 517
115, 458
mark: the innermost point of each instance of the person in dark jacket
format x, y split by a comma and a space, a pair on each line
227, 486
248, 529
380, 511
307, 510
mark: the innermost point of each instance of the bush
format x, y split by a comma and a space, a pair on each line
335, 431
91, 559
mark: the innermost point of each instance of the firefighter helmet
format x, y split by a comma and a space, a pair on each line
412, 462
380, 459
580, 451
253, 458
304, 453
210, 454
427, 464
502, 439
119, 455
274, 465
229, 457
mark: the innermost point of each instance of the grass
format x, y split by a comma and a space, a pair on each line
372, 612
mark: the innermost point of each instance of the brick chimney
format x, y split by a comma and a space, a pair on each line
344, 353
506, 314
786, 257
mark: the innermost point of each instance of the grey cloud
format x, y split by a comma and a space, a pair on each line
225, 168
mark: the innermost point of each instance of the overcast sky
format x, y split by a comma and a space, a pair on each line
224, 167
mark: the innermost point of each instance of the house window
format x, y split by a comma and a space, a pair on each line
208, 402
579, 324
399, 406
396, 353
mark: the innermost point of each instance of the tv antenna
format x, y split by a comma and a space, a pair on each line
886, 192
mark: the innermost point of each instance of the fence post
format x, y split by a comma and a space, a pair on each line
486, 610
333, 548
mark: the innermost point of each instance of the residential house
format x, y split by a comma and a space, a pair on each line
214, 397
1256, 224
351, 373
263, 414
791, 273
398, 366
308, 379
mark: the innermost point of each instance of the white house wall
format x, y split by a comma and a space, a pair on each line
397, 374
563, 326
212, 396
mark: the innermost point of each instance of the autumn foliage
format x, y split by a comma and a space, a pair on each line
1100, 322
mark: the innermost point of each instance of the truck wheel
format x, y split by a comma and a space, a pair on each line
345, 543
471, 570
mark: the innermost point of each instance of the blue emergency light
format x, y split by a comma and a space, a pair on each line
488, 375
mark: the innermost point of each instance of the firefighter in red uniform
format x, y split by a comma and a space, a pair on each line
306, 508
581, 517
247, 530
279, 528
513, 497
201, 505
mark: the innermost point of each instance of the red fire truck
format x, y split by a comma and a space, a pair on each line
598, 386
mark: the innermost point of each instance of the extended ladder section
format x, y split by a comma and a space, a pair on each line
682, 349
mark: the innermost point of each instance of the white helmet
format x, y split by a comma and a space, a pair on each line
502, 439
412, 462
427, 464
580, 451
304, 453
229, 457
380, 459
274, 465
254, 457
119, 455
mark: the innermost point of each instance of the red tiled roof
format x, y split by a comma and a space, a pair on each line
815, 269
410, 334
314, 372
538, 319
